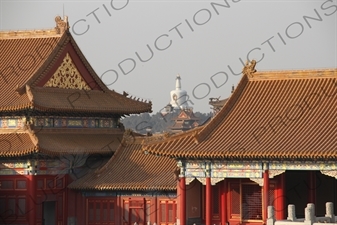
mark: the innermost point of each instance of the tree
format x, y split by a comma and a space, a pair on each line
158, 123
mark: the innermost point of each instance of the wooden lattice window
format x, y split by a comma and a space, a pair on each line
12, 207
100, 212
148, 211
126, 211
21, 184
137, 211
6, 184
90, 211
271, 194
216, 201
245, 201
168, 212
60, 206
21, 207
234, 191
112, 211
40, 184
251, 202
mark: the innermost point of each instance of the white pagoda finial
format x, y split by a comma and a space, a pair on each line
179, 97
178, 84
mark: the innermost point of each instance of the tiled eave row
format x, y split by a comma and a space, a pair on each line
55, 143
67, 100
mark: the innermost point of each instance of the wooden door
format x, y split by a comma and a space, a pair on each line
137, 212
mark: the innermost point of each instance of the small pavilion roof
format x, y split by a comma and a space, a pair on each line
270, 115
217, 103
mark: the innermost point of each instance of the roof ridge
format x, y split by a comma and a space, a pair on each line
130, 97
56, 90
294, 74
61, 27
21, 34
62, 130
166, 136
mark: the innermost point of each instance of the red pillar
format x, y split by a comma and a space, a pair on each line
182, 200
265, 195
118, 219
224, 203
67, 194
208, 201
178, 202
312, 187
32, 199
281, 208
155, 209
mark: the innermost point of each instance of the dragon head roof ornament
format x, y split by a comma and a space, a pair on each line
249, 68
61, 25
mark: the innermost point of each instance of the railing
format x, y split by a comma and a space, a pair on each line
310, 217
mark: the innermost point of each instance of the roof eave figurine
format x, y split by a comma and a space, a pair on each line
249, 68
61, 25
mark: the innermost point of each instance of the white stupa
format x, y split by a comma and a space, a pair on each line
179, 98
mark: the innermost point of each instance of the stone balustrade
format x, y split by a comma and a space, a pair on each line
309, 218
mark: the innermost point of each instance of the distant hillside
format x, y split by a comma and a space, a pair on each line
158, 123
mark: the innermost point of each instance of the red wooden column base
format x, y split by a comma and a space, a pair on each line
208, 201
182, 200
265, 195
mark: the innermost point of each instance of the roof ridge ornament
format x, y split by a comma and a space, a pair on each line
32, 134
61, 25
29, 93
178, 83
249, 68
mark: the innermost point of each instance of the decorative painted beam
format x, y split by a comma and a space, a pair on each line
215, 180
259, 181
273, 173
219, 170
330, 173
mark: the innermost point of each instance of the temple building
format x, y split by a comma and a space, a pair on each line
185, 120
58, 121
273, 143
